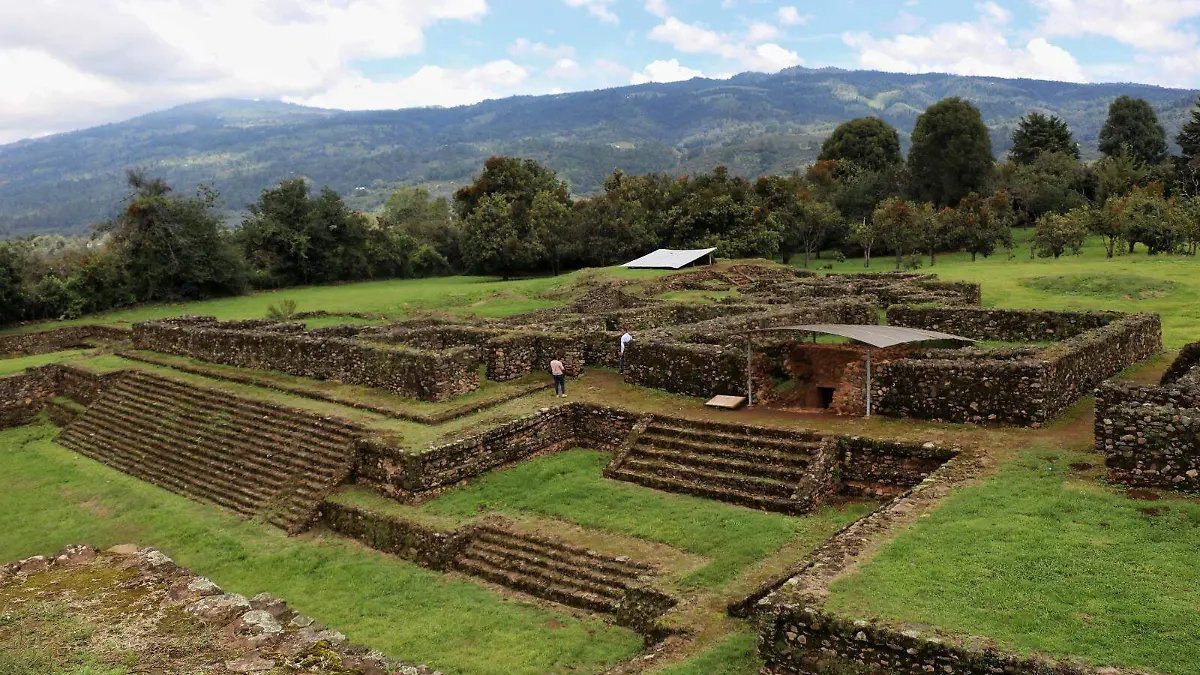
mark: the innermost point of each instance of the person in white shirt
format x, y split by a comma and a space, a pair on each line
625, 339
560, 378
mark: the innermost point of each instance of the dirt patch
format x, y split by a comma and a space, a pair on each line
1144, 495
1153, 510
96, 507
1081, 466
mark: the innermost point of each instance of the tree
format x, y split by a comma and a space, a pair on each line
1152, 219
868, 142
1133, 127
424, 218
519, 180
951, 153
1189, 225
866, 233
984, 223
722, 211
805, 227
173, 247
1116, 175
1053, 182
12, 295
1058, 234
1037, 133
496, 242
899, 225
1188, 163
1108, 221
549, 221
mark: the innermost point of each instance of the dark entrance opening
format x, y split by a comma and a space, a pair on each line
825, 396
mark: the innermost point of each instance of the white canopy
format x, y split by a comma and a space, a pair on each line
665, 258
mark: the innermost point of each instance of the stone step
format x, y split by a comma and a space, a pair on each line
787, 460
567, 553
744, 483
324, 429
282, 423
536, 586
547, 570
752, 500
794, 446
575, 571
736, 430
240, 433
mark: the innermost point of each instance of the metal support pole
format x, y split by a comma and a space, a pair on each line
749, 376
868, 381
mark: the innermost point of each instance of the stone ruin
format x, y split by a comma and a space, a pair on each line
242, 635
1150, 434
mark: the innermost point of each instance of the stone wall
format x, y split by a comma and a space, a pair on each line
690, 369
516, 355
796, 639
80, 385
878, 467
734, 329
59, 339
425, 375
424, 545
23, 396
397, 471
1008, 325
1025, 390
1151, 434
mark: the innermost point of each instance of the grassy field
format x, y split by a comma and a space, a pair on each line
12, 366
408, 612
1044, 557
570, 485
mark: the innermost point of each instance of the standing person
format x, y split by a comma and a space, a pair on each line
560, 378
625, 339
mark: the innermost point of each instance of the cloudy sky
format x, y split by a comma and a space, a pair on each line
68, 64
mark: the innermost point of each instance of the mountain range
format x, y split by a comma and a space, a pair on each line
755, 124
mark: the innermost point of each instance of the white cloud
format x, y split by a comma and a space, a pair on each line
1152, 25
101, 60
658, 8
692, 39
760, 31
976, 48
429, 86
601, 9
522, 46
790, 16
567, 69
664, 71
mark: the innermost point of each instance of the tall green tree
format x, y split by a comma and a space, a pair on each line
951, 154
518, 180
1133, 127
1054, 182
496, 242
174, 247
12, 293
550, 221
428, 220
1188, 163
1060, 234
1037, 133
868, 142
985, 223
292, 237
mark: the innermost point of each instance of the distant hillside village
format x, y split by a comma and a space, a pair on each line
861, 198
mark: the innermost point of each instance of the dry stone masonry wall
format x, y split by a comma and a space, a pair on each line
1151, 434
59, 339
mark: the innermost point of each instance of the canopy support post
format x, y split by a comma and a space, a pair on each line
868, 380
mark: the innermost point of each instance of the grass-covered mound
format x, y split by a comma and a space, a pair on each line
1043, 557
1113, 286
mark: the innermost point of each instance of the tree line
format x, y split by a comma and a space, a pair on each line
861, 197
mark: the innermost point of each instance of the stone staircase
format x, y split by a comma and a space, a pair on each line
763, 468
551, 569
248, 456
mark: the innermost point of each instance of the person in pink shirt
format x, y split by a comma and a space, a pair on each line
560, 378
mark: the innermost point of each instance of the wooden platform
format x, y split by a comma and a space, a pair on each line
727, 402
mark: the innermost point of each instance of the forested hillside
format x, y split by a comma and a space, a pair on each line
754, 124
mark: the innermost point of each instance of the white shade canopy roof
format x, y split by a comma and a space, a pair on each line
665, 258
876, 336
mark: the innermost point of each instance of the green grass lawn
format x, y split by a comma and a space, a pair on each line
408, 612
16, 365
736, 654
569, 485
1167, 285
1043, 559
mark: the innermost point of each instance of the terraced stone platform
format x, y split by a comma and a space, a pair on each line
251, 457
771, 469
551, 569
